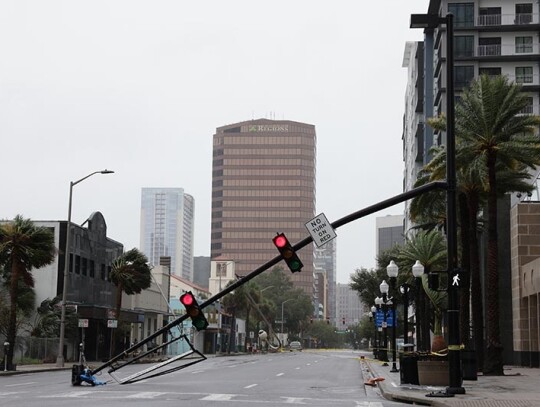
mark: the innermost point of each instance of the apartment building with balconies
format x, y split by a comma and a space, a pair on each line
492, 37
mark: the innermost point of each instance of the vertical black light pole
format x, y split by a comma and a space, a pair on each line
383, 287
380, 356
392, 271
404, 290
375, 344
454, 349
418, 271
430, 21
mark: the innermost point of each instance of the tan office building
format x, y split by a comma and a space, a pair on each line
263, 183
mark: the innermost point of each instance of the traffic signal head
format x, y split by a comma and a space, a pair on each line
194, 311
288, 253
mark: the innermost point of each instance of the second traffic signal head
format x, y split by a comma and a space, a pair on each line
287, 252
194, 311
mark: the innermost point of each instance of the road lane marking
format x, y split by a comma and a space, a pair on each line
73, 394
19, 384
218, 397
294, 400
146, 395
297, 368
250, 386
280, 374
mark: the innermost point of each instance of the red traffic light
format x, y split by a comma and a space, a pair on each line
187, 299
287, 252
193, 310
280, 241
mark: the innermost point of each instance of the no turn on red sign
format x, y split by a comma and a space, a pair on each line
320, 230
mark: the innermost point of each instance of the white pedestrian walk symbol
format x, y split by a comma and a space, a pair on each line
455, 280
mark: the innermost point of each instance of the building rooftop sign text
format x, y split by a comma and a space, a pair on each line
281, 128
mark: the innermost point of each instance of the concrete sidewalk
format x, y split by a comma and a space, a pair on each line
520, 387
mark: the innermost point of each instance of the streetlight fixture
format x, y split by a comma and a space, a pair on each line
6, 348
282, 304
429, 22
383, 287
60, 357
376, 339
418, 272
392, 271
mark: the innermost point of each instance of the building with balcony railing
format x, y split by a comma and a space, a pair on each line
491, 37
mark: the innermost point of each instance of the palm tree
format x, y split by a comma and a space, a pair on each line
23, 247
131, 274
429, 247
494, 133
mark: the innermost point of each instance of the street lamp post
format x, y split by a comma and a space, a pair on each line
6, 349
375, 339
60, 357
383, 287
282, 304
418, 272
404, 290
392, 272
380, 351
430, 21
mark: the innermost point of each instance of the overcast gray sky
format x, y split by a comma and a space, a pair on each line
139, 87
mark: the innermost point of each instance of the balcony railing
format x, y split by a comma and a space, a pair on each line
530, 109
488, 50
505, 49
507, 19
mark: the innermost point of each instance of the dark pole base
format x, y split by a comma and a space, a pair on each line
383, 355
455, 390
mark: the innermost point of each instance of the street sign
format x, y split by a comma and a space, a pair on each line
320, 230
379, 318
83, 323
112, 323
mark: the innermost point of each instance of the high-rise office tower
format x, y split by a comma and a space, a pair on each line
263, 183
167, 216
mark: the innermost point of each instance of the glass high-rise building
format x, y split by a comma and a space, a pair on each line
167, 227
263, 183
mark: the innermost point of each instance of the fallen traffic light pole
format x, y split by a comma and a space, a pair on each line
128, 357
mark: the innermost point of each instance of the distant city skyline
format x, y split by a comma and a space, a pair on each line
167, 227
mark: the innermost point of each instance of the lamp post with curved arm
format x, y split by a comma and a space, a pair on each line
60, 357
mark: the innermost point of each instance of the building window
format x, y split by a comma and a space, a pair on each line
84, 269
524, 13
489, 16
221, 270
489, 71
529, 108
489, 46
523, 45
77, 264
102, 273
463, 14
463, 75
92, 269
524, 74
464, 45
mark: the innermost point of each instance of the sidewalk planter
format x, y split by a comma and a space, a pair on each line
433, 373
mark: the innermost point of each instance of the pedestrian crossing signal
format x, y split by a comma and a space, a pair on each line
288, 253
198, 320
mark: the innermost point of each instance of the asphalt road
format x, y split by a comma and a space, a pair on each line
318, 378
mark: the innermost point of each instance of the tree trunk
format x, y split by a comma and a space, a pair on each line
477, 304
493, 364
465, 293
